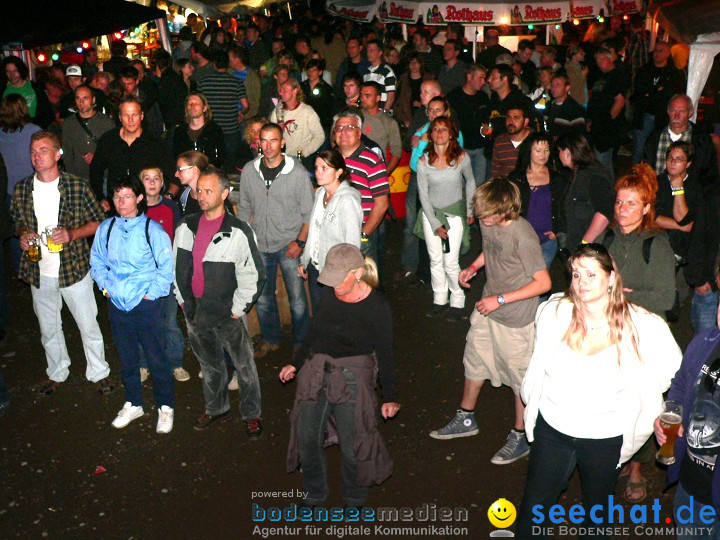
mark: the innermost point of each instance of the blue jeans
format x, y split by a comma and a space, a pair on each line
173, 339
553, 458
696, 529
409, 257
640, 136
267, 308
549, 250
133, 328
311, 425
210, 346
375, 248
703, 311
606, 160
478, 162
314, 286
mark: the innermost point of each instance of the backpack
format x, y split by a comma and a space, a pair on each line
147, 236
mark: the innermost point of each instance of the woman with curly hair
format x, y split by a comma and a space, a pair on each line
442, 173
593, 387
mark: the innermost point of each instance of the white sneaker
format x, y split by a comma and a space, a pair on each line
127, 414
233, 384
144, 374
181, 375
166, 416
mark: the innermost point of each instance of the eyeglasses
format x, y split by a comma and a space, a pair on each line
345, 128
185, 168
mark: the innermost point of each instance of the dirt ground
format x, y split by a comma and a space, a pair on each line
67, 473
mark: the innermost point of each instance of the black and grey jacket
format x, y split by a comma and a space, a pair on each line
234, 272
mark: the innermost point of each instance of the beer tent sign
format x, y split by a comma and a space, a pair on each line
487, 13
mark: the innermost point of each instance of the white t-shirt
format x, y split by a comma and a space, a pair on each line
46, 202
583, 394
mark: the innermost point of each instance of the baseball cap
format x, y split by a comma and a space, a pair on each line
339, 261
73, 71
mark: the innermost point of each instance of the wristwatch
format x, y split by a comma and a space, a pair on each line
300, 243
501, 299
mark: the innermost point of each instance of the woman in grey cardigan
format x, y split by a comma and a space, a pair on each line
336, 217
442, 173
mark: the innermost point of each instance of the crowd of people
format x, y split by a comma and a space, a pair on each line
190, 181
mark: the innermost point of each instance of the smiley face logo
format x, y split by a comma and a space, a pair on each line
502, 513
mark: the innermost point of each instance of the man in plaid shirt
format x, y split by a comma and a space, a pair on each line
50, 198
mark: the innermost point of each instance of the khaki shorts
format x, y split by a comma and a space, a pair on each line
496, 352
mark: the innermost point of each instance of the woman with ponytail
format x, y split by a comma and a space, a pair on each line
349, 343
593, 387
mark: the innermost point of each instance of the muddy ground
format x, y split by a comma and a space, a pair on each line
202, 485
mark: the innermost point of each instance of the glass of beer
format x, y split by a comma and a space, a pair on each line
52, 246
34, 252
670, 421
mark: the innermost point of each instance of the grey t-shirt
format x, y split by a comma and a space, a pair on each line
512, 257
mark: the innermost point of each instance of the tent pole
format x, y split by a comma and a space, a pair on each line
547, 34
164, 34
289, 12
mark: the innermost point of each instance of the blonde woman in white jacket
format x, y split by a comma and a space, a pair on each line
336, 217
593, 387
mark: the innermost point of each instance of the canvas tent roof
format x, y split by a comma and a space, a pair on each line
43, 22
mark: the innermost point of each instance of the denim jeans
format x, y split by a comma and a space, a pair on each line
606, 160
130, 330
311, 425
210, 345
173, 339
409, 257
267, 308
696, 529
553, 458
314, 286
478, 162
640, 136
445, 267
375, 248
80, 300
549, 250
703, 311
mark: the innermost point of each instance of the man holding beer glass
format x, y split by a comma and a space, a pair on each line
696, 393
65, 209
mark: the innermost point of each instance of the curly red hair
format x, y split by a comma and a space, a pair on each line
643, 181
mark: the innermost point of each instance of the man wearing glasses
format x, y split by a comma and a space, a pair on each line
127, 150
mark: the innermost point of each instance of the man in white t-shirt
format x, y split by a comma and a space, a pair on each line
67, 206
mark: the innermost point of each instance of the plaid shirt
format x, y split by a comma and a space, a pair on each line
78, 207
664, 144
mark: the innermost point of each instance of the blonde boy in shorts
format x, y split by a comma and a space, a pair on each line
502, 330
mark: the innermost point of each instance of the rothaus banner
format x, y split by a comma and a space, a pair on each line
590, 9
355, 11
473, 14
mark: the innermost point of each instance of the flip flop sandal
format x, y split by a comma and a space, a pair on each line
49, 387
636, 492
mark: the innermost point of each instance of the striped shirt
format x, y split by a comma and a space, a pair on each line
223, 92
504, 156
384, 76
369, 177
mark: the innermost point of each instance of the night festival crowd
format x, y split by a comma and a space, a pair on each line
265, 144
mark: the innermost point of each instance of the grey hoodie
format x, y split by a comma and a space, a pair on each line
277, 213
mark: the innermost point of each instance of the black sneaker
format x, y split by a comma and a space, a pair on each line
436, 310
206, 420
454, 314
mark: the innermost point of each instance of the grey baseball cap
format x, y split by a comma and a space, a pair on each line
339, 261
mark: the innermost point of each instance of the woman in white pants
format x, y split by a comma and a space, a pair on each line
442, 173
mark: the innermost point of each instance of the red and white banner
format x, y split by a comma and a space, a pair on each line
355, 11
590, 9
398, 11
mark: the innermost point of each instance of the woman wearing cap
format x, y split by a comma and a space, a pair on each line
337, 377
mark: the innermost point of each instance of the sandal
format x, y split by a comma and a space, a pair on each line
49, 387
636, 492
105, 386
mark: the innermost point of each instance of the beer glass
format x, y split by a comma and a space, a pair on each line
670, 421
46, 236
34, 252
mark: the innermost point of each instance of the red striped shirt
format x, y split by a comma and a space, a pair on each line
369, 177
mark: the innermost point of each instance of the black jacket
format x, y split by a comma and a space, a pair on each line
172, 93
705, 162
211, 142
321, 99
558, 185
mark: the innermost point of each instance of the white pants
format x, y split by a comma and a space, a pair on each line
445, 267
80, 300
